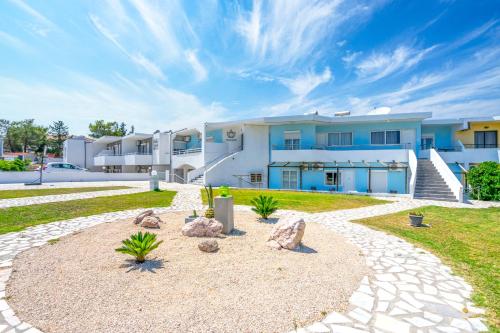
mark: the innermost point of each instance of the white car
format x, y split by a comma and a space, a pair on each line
58, 167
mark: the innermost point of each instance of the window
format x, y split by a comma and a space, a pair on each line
378, 138
289, 179
485, 139
340, 139
292, 140
386, 138
256, 178
392, 137
332, 178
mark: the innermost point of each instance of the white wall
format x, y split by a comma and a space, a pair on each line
412, 163
253, 158
161, 148
30, 176
1, 146
449, 177
384, 155
467, 156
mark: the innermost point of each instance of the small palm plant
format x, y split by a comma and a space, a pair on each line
139, 245
264, 205
209, 213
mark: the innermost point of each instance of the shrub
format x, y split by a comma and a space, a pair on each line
416, 214
224, 191
15, 165
209, 213
139, 245
484, 180
264, 205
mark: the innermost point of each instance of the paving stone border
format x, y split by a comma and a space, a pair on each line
410, 290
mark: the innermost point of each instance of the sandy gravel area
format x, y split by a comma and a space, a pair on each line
80, 284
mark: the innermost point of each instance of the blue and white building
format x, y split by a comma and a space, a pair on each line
374, 153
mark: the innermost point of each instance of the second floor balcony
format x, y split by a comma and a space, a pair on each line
321, 153
108, 157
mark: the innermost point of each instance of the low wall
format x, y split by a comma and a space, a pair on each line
54, 177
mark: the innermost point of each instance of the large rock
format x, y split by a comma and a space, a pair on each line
209, 245
151, 222
202, 227
141, 216
287, 233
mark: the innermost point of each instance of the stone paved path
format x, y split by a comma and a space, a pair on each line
410, 290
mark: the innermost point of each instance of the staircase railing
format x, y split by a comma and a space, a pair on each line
201, 170
448, 176
241, 178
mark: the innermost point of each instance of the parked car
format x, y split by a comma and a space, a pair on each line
61, 167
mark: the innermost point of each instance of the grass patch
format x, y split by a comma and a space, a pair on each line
468, 240
303, 201
17, 218
53, 241
10, 194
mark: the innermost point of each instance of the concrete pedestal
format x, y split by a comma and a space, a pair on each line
224, 213
154, 183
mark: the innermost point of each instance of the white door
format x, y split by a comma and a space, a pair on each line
289, 179
348, 180
379, 181
408, 138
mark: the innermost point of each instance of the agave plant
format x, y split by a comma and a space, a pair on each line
139, 245
264, 205
209, 213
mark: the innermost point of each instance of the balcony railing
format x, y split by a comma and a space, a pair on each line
187, 151
341, 148
481, 146
441, 148
111, 153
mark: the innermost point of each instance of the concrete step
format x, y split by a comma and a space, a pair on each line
437, 198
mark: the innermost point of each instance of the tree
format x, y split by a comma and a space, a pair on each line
24, 135
59, 133
101, 128
484, 180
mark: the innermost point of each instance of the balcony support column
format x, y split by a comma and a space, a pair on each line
369, 180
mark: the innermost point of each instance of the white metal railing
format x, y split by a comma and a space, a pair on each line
200, 171
187, 151
412, 163
448, 176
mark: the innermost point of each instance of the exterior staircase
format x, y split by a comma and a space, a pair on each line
430, 185
200, 180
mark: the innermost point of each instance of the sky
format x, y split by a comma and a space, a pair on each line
173, 64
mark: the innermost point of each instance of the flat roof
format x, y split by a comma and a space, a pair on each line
321, 119
108, 139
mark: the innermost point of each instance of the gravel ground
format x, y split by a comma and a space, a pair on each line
80, 284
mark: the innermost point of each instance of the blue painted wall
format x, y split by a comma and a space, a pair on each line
194, 143
307, 134
396, 180
216, 134
443, 134
361, 132
457, 171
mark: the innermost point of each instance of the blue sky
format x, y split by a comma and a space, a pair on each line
169, 64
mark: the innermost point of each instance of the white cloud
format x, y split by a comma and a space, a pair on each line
198, 69
379, 65
284, 32
138, 58
13, 42
152, 106
350, 57
43, 25
302, 85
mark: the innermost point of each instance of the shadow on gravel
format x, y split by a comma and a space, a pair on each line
147, 266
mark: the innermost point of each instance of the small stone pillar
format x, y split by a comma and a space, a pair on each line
224, 213
154, 181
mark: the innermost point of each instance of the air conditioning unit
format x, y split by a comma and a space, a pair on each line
187, 138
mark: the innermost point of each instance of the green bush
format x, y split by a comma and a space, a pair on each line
484, 180
15, 165
224, 191
264, 205
139, 245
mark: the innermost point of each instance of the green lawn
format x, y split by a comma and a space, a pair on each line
10, 194
303, 201
468, 240
18, 218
